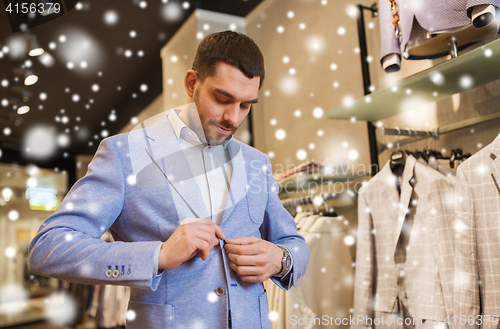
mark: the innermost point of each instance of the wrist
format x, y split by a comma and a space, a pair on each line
285, 262
163, 261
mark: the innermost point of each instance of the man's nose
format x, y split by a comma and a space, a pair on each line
231, 114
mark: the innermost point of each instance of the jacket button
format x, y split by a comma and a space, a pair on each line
116, 273
220, 291
108, 273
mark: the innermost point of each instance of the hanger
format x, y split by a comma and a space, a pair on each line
408, 151
398, 158
308, 200
315, 205
458, 154
419, 154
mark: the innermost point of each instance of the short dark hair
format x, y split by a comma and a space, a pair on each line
233, 48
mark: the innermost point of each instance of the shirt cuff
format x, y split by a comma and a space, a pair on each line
155, 263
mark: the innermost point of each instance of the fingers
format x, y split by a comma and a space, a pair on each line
207, 237
205, 241
243, 240
204, 234
189, 220
205, 224
252, 278
203, 247
245, 260
252, 249
193, 237
218, 232
250, 273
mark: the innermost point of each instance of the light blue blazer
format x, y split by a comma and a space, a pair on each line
128, 193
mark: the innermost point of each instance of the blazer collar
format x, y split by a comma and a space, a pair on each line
159, 143
495, 162
193, 132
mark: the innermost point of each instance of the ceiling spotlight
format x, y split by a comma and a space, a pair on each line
23, 110
24, 74
35, 48
36, 52
30, 80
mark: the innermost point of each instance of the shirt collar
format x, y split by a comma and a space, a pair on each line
182, 130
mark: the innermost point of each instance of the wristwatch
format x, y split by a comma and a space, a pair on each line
286, 262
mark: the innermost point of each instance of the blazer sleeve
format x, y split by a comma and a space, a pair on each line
365, 266
466, 295
67, 245
279, 227
390, 52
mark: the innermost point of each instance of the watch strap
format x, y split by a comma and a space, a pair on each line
284, 268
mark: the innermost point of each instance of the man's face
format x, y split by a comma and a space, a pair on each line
223, 101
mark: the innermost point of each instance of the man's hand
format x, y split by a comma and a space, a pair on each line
254, 259
193, 236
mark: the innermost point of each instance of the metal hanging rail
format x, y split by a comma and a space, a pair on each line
410, 132
421, 135
309, 199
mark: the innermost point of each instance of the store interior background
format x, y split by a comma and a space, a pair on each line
313, 65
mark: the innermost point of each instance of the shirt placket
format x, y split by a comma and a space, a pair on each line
208, 164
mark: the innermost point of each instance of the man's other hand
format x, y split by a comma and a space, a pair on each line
254, 259
194, 236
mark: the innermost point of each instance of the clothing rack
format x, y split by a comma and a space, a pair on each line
316, 200
421, 135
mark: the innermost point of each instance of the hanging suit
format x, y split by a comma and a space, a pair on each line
477, 288
405, 245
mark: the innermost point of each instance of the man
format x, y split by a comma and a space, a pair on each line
196, 215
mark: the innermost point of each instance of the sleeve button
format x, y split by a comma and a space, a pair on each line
116, 273
108, 273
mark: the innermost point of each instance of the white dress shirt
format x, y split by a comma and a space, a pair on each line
210, 165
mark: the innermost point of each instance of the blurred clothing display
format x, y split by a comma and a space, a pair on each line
328, 285
306, 168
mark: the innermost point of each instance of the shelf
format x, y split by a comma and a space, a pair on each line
467, 71
308, 182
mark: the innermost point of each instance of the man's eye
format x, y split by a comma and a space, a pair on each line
245, 106
220, 100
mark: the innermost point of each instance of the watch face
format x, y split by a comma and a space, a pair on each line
288, 262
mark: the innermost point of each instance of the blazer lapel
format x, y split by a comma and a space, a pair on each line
406, 192
163, 147
495, 163
237, 187
390, 188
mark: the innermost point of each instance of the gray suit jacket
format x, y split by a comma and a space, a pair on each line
477, 289
425, 211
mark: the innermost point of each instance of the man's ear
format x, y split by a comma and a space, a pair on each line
190, 81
